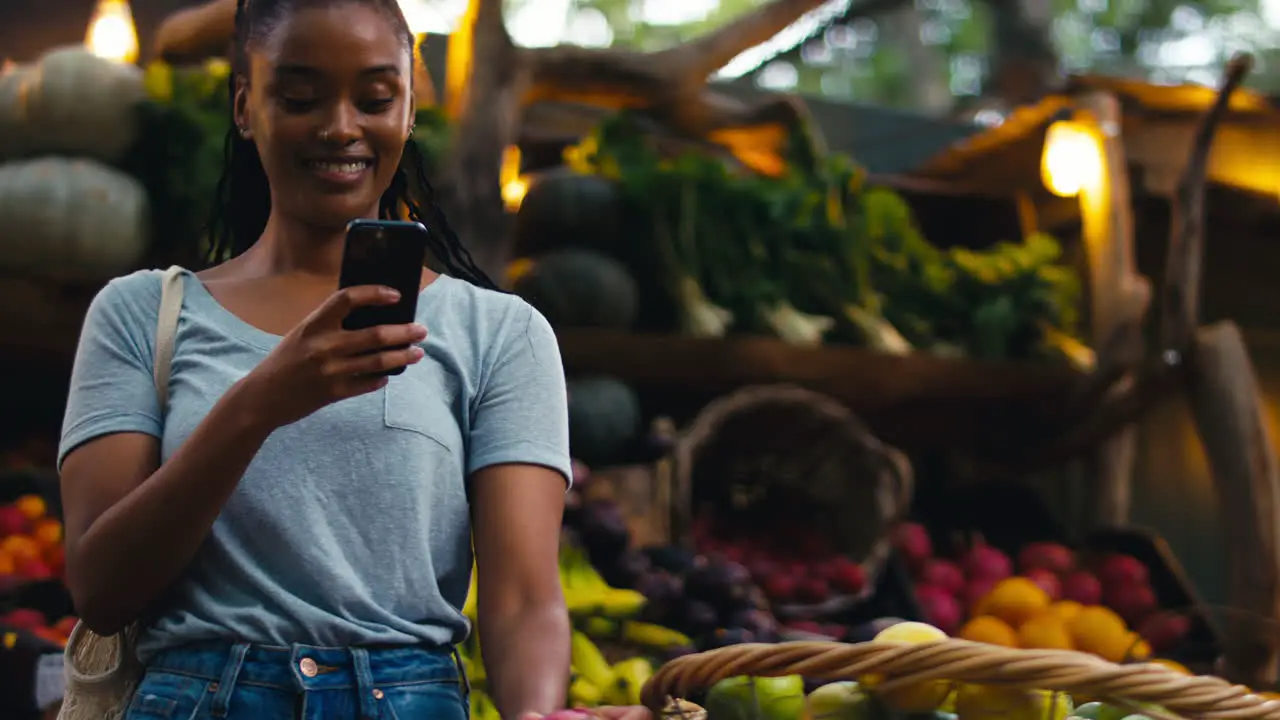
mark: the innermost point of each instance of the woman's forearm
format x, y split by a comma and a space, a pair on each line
526, 656
135, 550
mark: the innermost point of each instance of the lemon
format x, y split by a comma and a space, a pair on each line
984, 702
990, 630
1047, 632
1066, 609
1015, 600
1100, 631
918, 697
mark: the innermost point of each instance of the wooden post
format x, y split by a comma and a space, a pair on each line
1119, 297
1226, 404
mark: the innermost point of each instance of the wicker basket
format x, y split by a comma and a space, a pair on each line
768, 444
1204, 697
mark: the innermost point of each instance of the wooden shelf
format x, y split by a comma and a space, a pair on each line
917, 401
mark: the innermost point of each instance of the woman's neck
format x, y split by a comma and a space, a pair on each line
289, 247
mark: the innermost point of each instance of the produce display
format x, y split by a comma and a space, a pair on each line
31, 551
812, 256
785, 697
1047, 596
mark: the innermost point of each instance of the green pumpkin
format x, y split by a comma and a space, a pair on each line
581, 288
563, 208
604, 419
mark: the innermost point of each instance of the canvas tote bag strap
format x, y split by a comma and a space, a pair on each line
171, 288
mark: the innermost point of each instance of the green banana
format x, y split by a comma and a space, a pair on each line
587, 659
630, 675
653, 636
583, 692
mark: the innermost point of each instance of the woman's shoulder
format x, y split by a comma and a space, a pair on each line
131, 301
488, 319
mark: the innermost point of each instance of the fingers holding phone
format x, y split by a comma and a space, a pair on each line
321, 362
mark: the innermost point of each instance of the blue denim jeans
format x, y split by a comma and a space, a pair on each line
253, 682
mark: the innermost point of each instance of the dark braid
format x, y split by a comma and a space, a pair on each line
243, 201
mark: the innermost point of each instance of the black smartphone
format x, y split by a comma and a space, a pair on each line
384, 252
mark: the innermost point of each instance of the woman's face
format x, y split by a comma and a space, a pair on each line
327, 102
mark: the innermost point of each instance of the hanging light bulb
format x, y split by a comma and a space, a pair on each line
416, 16
112, 34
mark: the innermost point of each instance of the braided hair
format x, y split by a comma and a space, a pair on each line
243, 199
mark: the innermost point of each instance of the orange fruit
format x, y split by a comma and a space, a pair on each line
1015, 600
1066, 609
21, 547
1046, 631
1175, 666
32, 507
7, 565
989, 630
1139, 649
47, 531
1100, 631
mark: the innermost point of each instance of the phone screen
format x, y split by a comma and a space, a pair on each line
384, 252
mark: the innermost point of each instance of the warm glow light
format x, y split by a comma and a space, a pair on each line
112, 34
513, 185
1072, 159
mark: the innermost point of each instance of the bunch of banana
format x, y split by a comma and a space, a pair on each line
633, 632
595, 682
586, 593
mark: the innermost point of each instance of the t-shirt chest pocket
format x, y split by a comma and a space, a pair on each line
421, 400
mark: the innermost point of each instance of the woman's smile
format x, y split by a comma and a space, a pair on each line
342, 172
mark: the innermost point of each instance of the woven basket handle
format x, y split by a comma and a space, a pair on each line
1209, 698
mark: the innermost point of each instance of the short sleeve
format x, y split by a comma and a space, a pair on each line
112, 388
522, 412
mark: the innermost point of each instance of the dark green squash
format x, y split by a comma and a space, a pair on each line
563, 208
581, 288
604, 419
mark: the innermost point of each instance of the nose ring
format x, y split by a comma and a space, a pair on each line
324, 136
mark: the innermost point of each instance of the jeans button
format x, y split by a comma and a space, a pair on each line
308, 667
377, 694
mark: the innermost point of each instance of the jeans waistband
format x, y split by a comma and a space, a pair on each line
300, 668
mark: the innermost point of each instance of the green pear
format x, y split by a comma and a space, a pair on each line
762, 698
842, 700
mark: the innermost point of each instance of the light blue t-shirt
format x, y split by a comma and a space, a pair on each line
351, 526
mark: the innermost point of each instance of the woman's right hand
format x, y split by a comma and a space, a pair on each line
320, 362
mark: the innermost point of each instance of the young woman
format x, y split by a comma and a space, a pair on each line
297, 533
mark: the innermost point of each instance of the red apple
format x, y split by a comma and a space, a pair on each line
1132, 602
976, 589
912, 542
844, 575
780, 587
940, 608
12, 521
807, 626
1054, 557
988, 563
944, 574
813, 590
1082, 587
33, 569
1047, 580
1165, 630
23, 619
1120, 569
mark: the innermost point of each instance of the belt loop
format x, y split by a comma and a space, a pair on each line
230, 673
364, 684
464, 682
